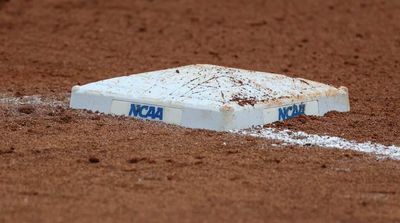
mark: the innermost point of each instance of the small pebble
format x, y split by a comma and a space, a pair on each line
94, 160
26, 109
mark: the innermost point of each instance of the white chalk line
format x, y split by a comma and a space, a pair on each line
300, 138
34, 100
288, 137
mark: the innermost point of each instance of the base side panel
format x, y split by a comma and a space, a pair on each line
338, 103
240, 117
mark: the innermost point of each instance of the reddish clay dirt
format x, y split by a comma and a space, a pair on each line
58, 165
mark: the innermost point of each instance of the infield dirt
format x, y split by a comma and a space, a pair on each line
58, 165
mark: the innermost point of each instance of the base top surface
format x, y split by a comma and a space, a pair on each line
212, 86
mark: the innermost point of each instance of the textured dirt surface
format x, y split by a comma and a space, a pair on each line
58, 165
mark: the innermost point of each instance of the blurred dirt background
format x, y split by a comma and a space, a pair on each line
58, 165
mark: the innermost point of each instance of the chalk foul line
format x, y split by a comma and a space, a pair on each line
31, 100
299, 138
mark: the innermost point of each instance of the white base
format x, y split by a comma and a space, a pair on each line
210, 97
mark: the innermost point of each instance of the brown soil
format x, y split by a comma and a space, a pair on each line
242, 101
58, 165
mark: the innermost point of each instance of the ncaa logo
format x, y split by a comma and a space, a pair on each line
146, 112
291, 111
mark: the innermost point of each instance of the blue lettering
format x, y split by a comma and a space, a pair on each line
291, 111
143, 108
152, 112
282, 114
287, 113
159, 114
295, 111
302, 109
146, 111
134, 110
